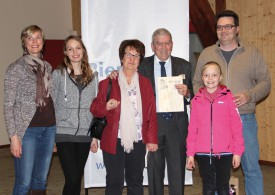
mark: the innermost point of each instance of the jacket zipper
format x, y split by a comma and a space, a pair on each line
79, 99
227, 65
78, 124
78, 112
211, 123
211, 126
211, 131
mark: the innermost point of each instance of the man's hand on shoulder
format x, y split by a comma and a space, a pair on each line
241, 99
113, 74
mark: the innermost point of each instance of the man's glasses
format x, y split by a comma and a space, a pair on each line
129, 55
225, 27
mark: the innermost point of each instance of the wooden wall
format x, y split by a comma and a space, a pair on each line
257, 28
76, 16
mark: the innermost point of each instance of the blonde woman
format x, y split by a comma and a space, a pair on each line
29, 114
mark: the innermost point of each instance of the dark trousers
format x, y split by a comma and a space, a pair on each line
171, 149
215, 175
73, 157
133, 163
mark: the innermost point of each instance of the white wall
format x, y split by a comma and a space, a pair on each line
53, 16
195, 46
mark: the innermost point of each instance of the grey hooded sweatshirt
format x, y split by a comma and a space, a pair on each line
72, 106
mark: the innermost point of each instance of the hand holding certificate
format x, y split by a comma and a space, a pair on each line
169, 99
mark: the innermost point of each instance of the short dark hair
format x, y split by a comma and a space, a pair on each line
133, 44
228, 13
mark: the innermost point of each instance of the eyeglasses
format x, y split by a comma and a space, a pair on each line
226, 27
129, 55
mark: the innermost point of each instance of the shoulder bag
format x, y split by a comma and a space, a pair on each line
98, 124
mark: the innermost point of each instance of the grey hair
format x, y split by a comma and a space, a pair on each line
161, 31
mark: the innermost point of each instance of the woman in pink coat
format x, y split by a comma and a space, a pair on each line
214, 132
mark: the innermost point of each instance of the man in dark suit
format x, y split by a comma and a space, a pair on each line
172, 127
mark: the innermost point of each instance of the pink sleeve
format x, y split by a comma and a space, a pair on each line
192, 130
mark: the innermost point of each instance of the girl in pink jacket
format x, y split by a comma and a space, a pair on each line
214, 132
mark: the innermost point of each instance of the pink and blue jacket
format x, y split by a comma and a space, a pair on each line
215, 126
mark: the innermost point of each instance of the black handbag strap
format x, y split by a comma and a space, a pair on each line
109, 90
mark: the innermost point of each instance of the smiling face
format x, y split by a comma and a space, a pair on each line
34, 43
162, 46
211, 76
227, 36
131, 59
74, 51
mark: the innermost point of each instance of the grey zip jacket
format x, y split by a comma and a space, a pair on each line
72, 108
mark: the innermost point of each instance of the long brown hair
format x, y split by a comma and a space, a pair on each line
87, 73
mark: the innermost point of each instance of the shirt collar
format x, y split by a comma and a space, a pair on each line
157, 60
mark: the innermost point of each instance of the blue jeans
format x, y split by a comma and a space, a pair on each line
250, 158
31, 170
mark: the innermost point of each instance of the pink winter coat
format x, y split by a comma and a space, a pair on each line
215, 127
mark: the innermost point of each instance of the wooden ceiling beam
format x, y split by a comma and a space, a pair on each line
220, 6
76, 16
203, 18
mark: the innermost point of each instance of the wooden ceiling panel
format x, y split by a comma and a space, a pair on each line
203, 18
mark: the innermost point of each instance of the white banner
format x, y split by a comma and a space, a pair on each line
106, 23
95, 172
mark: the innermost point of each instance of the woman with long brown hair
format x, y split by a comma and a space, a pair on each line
75, 85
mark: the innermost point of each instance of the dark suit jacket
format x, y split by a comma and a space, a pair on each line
149, 125
179, 66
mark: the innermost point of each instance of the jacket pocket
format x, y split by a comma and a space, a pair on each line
64, 114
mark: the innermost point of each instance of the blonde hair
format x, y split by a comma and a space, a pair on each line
28, 31
211, 63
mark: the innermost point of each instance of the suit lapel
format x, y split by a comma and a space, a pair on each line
174, 67
151, 75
